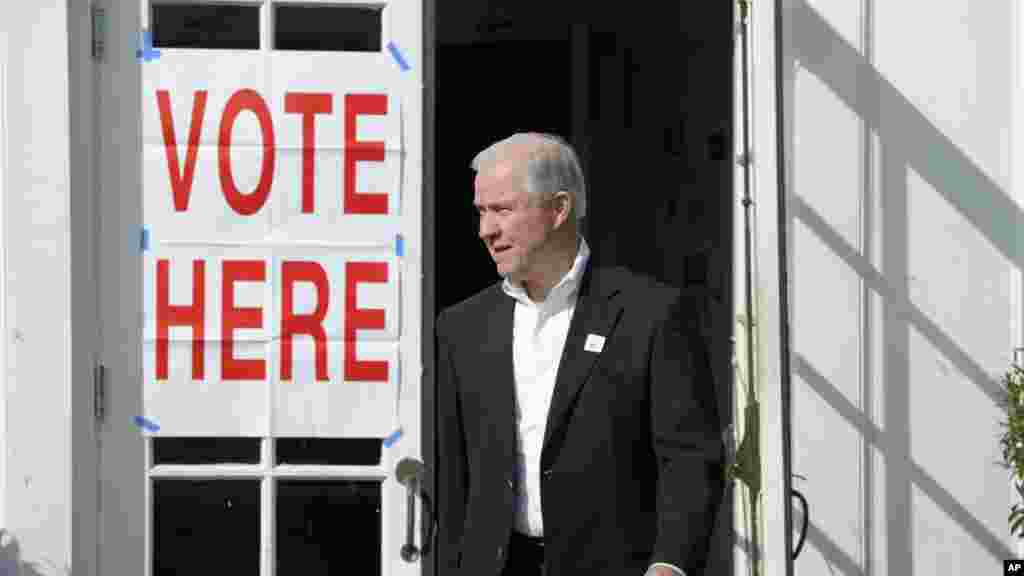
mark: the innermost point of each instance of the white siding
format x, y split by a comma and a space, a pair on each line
34, 429
902, 238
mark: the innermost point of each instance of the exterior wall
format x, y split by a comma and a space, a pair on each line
903, 245
35, 420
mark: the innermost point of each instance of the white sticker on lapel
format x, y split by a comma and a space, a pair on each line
594, 343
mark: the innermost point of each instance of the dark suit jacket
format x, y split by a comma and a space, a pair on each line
631, 460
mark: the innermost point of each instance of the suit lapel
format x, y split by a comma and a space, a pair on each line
500, 354
597, 312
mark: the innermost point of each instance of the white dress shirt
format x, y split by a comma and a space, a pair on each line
539, 333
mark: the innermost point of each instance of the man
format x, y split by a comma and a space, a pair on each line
577, 428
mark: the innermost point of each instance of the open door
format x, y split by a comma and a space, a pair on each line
260, 287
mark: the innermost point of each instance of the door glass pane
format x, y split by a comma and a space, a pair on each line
326, 528
329, 451
206, 527
206, 450
328, 28
206, 26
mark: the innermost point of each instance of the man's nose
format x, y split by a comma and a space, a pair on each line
487, 228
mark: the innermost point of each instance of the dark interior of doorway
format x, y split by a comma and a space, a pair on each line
646, 98
484, 92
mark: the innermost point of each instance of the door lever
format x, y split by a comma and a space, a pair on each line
409, 472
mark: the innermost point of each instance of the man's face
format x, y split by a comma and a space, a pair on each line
513, 225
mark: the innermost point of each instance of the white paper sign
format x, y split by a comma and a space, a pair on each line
272, 196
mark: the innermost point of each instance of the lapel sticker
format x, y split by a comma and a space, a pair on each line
594, 343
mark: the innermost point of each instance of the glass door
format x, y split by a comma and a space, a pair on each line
261, 281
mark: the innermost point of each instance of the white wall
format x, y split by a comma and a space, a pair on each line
903, 240
35, 420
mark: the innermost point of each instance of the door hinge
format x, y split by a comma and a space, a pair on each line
99, 32
99, 383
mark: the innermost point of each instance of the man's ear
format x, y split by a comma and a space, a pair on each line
563, 207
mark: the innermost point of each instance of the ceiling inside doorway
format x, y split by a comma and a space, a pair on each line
487, 21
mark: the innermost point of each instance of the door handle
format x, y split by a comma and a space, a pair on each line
410, 473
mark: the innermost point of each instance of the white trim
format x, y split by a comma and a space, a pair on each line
217, 2
766, 267
4, 339
69, 293
374, 473
349, 3
1017, 194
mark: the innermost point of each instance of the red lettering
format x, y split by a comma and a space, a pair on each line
357, 151
307, 104
246, 204
309, 324
233, 318
167, 316
181, 184
367, 319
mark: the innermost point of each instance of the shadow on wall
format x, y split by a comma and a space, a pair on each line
908, 139
11, 563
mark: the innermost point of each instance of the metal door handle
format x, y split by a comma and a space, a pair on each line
410, 553
410, 473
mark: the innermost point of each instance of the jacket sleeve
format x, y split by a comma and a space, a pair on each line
452, 464
685, 434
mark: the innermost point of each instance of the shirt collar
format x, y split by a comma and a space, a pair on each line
564, 288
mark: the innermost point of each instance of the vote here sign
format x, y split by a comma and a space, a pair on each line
272, 197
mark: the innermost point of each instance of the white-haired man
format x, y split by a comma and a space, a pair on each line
577, 428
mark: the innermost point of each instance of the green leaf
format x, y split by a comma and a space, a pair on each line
1016, 524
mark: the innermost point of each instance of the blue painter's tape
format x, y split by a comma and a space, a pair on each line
399, 245
145, 238
147, 53
397, 55
392, 438
143, 423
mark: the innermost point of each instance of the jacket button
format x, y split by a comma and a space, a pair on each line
547, 473
500, 552
509, 482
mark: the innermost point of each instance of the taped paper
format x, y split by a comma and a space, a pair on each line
147, 52
393, 437
397, 55
146, 424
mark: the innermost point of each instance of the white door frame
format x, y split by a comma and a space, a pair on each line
123, 523
3, 278
768, 347
1017, 195
83, 526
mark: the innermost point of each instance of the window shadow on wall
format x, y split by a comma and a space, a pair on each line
908, 141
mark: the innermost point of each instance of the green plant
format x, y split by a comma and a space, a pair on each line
1012, 441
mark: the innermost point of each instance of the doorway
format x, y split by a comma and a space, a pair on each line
646, 98
468, 119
